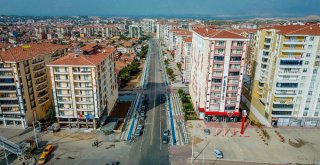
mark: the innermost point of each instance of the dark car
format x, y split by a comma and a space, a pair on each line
165, 139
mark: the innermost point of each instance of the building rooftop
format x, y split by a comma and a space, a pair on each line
217, 33
91, 60
187, 39
29, 51
297, 29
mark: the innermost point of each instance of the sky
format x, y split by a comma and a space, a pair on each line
213, 8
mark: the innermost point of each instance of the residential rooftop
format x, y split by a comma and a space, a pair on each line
87, 60
29, 51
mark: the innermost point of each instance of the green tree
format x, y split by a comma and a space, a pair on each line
179, 66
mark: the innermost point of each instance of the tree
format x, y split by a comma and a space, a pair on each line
179, 66
180, 91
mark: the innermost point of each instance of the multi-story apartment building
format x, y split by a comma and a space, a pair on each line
97, 30
148, 25
286, 84
179, 36
135, 31
84, 87
186, 59
166, 29
217, 66
25, 91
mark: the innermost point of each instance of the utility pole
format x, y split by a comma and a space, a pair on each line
35, 134
192, 148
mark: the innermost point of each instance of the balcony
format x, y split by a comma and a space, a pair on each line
41, 81
284, 94
35, 62
65, 101
39, 67
293, 50
83, 87
64, 86
81, 72
260, 92
6, 69
83, 95
7, 89
60, 72
294, 42
42, 87
84, 102
43, 100
82, 80
39, 75
283, 101
9, 103
41, 94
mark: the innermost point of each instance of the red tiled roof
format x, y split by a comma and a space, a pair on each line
88, 47
184, 33
216, 33
187, 39
92, 60
29, 51
306, 29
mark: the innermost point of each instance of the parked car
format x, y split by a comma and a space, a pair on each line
140, 127
138, 133
165, 139
206, 131
218, 154
165, 132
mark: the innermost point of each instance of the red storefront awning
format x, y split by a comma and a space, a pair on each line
219, 113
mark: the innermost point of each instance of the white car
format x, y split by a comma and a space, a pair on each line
140, 127
218, 154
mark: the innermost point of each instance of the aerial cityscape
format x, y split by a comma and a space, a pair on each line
160, 82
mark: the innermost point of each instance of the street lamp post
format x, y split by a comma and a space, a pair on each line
34, 130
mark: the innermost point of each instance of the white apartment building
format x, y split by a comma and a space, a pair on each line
186, 59
176, 42
84, 87
148, 25
217, 67
135, 31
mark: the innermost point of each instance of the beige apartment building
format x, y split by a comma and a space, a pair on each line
25, 91
84, 86
286, 86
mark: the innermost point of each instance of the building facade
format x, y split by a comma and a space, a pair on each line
135, 31
25, 90
84, 87
186, 59
286, 86
217, 66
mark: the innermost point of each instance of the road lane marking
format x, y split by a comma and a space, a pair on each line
154, 103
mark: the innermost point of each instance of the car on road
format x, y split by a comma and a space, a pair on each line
140, 127
165, 139
43, 157
165, 132
138, 133
218, 154
206, 131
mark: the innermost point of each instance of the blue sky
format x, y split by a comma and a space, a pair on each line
227, 8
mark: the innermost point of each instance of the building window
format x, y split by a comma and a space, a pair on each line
281, 112
216, 80
305, 70
308, 55
309, 46
311, 38
306, 62
283, 106
310, 93
220, 43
